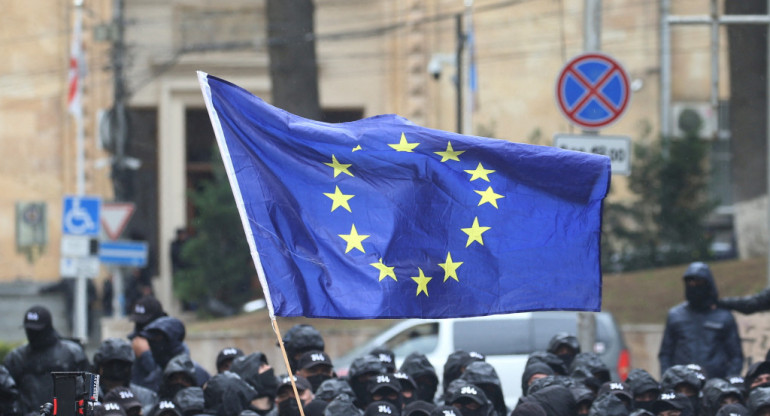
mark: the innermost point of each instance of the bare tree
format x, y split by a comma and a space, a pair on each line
293, 67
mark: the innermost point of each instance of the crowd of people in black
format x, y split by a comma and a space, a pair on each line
150, 372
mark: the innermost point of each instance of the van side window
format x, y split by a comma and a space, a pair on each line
493, 337
421, 338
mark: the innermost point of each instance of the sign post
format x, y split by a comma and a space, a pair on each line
80, 221
115, 217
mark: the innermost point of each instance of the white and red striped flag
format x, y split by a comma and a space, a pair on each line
76, 67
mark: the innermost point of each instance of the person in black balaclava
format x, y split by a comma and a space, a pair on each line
549, 381
178, 374
254, 369
145, 310
672, 404
227, 394
361, 371
382, 409
644, 388
564, 346
423, 374
550, 359
717, 393
589, 369
387, 357
758, 375
470, 400
9, 394
30, 365
699, 332
532, 372
165, 338
735, 409
385, 388
584, 398
408, 387
342, 405
225, 358
759, 401
608, 404
482, 375
555, 400
446, 410
300, 339
620, 390
113, 362
285, 400
332, 388
127, 400
316, 367
683, 380
418, 408
191, 401
455, 365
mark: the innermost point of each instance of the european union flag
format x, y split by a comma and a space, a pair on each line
381, 218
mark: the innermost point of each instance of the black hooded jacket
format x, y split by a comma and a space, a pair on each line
555, 400
419, 368
227, 394
702, 333
248, 368
482, 375
9, 393
714, 391
748, 304
30, 365
455, 365
758, 398
530, 370
608, 405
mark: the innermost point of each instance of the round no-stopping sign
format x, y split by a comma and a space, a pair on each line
592, 90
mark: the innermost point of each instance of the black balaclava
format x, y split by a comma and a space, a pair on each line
42, 338
564, 339
468, 393
702, 296
424, 375
300, 339
317, 379
288, 407
361, 370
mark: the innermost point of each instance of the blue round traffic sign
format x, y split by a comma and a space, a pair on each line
592, 90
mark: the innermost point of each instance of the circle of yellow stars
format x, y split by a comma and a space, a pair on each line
354, 240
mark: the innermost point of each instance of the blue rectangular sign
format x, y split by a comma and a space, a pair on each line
123, 253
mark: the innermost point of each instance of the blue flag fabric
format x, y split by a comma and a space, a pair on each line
381, 218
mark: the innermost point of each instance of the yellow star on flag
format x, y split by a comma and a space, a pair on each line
474, 232
339, 167
450, 267
479, 172
385, 271
403, 145
449, 153
340, 199
489, 196
357, 148
354, 239
422, 282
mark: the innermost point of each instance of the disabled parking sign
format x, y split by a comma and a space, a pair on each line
80, 215
592, 90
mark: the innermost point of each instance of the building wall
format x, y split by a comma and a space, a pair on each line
37, 135
372, 55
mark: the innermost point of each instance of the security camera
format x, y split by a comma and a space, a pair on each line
434, 67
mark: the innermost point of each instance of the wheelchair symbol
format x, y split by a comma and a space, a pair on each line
80, 218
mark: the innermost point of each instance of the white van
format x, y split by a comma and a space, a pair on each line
505, 340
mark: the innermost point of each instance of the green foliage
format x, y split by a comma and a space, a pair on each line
6, 347
216, 257
665, 225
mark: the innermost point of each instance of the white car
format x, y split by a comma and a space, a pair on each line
505, 340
